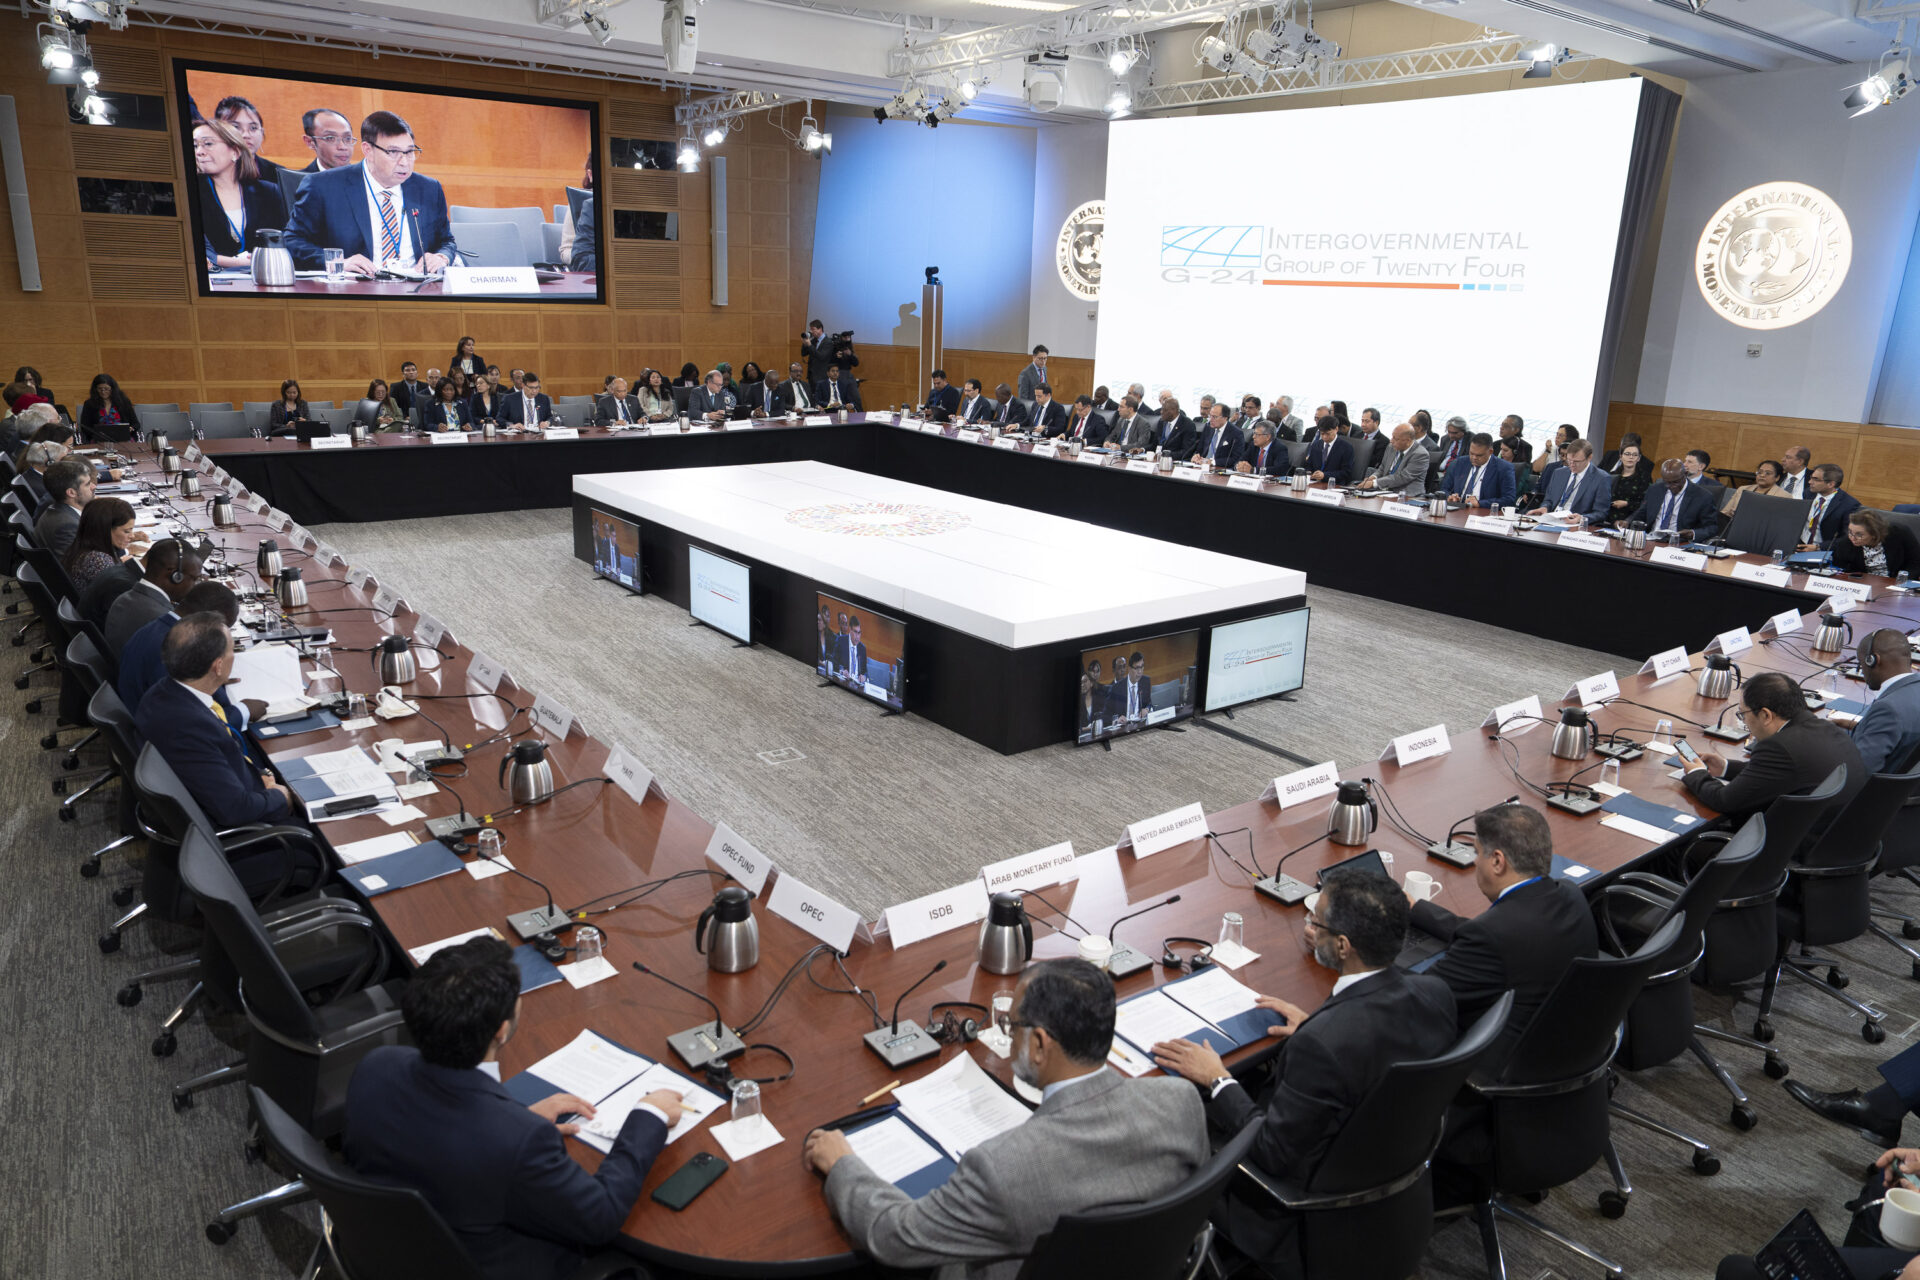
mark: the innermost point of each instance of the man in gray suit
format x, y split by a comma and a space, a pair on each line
70, 488
1034, 374
1097, 1138
1285, 425
171, 572
1403, 468
1132, 430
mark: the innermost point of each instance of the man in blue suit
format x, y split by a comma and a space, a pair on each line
1049, 417
942, 398
526, 406
188, 720
378, 211
1480, 479
1330, 456
1579, 489
140, 665
1889, 733
433, 1116
1673, 504
1827, 513
1219, 442
1261, 455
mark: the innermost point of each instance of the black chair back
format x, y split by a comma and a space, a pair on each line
1741, 941
1151, 1241
95, 667
374, 1231
1832, 876
1763, 525
68, 613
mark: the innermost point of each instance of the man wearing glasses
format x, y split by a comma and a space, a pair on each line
329, 135
379, 213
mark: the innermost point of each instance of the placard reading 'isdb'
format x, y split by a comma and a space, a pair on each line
1256, 658
718, 593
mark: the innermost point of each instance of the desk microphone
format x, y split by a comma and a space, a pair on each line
1461, 855
898, 1047
1063, 915
531, 924
697, 1046
1285, 889
1124, 960
1719, 730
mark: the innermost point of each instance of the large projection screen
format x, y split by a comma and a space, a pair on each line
497, 182
1448, 254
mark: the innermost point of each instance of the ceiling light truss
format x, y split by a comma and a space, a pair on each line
1101, 24
1473, 57
721, 109
571, 13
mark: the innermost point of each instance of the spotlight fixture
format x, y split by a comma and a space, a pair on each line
1119, 100
714, 136
1224, 58
1889, 83
689, 156
92, 107
1286, 45
812, 140
1121, 60
967, 90
1046, 80
594, 18
88, 76
56, 48
1542, 61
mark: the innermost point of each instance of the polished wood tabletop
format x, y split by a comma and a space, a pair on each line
767, 1214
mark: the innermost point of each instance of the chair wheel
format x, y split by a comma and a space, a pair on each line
1775, 1068
70, 763
1763, 1031
66, 813
1910, 929
184, 1102
255, 1151
163, 1046
1872, 1032
1705, 1163
220, 1232
1534, 1197
1837, 980
1916, 969
50, 742
33, 708
1612, 1204
124, 895
59, 786
1744, 1117
109, 943
19, 682
89, 869
129, 995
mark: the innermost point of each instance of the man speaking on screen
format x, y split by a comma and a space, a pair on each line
379, 213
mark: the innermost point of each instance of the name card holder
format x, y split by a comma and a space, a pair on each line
1526, 712
738, 859
1854, 592
968, 436
563, 433
1303, 785
447, 437
814, 912
1143, 465
330, 442
1489, 524
1582, 541
1422, 744
1051, 865
1594, 689
1747, 571
1402, 510
1326, 497
1678, 558
1668, 662
1153, 835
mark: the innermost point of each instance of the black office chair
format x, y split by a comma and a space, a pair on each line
1764, 525
88, 670
1367, 1211
1547, 1111
1659, 1026
1900, 861
300, 1054
110, 717
67, 613
1834, 900
1164, 1238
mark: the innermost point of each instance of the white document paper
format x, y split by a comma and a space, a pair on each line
584, 973
891, 1149
422, 952
742, 1138
1635, 827
377, 847
270, 673
1155, 1017
1213, 994
959, 1106
696, 1104
590, 1067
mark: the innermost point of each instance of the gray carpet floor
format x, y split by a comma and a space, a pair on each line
101, 1178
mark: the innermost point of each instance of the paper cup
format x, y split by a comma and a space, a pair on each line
1900, 1218
1096, 950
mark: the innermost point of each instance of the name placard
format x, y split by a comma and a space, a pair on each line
1303, 784
1783, 623
1097, 459
358, 577
817, 420
471, 280
814, 911
1402, 510
1140, 464
563, 433
1526, 711
1190, 473
447, 437
484, 673
738, 859
552, 717
330, 442
1051, 865
1326, 497
963, 904
1244, 482
880, 416
278, 518
1666, 663
926, 428
192, 453
1582, 541
1047, 449
1747, 571
1857, 592
1489, 524
1177, 826
1731, 642
1678, 558
1594, 689
1423, 744
301, 537
326, 555
969, 436
386, 600
429, 631
628, 774
1001, 442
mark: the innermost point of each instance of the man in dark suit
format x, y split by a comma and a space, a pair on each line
1480, 479
1103, 402
378, 211
1369, 443
1695, 462
1888, 735
794, 394
170, 571
527, 407
1673, 504
187, 720
767, 400
1534, 926
974, 405
1330, 456
942, 399
1008, 413
1377, 1016
69, 488
140, 665
712, 402
1131, 693
1578, 489
1049, 417
1452, 446
1827, 514
1219, 441
1084, 423
410, 391
1174, 433
1262, 455
853, 652
617, 406
329, 135
838, 391
1791, 752
433, 1116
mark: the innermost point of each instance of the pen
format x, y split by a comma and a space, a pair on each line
879, 1093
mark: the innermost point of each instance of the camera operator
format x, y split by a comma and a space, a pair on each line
820, 349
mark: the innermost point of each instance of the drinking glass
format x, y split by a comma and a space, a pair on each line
588, 942
356, 705
746, 1108
336, 264
1663, 730
1779, 559
1002, 1006
1233, 929
486, 842
1610, 773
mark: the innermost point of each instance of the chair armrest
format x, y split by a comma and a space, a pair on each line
379, 1024
1296, 1199
1853, 868
302, 911
1659, 884
1631, 893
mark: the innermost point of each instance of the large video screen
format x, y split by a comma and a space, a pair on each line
1448, 254
717, 593
1256, 658
863, 651
616, 550
1125, 688
387, 190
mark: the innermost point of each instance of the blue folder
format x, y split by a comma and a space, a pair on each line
1654, 815
403, 870
1848, 706
923, 1181
528, 1088
1809, 557
536, 971
1218, 1041
1245, 1028
312, 722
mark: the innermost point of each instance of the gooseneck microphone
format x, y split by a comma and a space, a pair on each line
903, 1043
531, 924
1029, 893
1461, 855
697, 1046
1125, 960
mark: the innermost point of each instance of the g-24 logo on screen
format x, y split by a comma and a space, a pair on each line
1210, 254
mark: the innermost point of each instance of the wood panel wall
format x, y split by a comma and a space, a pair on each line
119, 292
887, 373
1882, 464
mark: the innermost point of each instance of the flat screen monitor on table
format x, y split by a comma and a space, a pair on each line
616, 550
1136, 684
863, 650
717, 593
1257, 658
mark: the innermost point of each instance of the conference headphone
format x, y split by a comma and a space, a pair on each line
720, 1076
952, 1028
1870, 658
1186, 964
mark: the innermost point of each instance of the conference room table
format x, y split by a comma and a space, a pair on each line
1614, 601
766, 1215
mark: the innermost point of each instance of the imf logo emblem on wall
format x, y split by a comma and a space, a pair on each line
1077, 254
1773, 255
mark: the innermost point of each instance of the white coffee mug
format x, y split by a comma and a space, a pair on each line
1900, 1218
1421, 885
1096, 950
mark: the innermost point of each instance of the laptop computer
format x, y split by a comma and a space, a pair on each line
305, 430
1421, 951
1801, 1251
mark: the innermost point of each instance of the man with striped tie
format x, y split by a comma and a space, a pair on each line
379, 212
